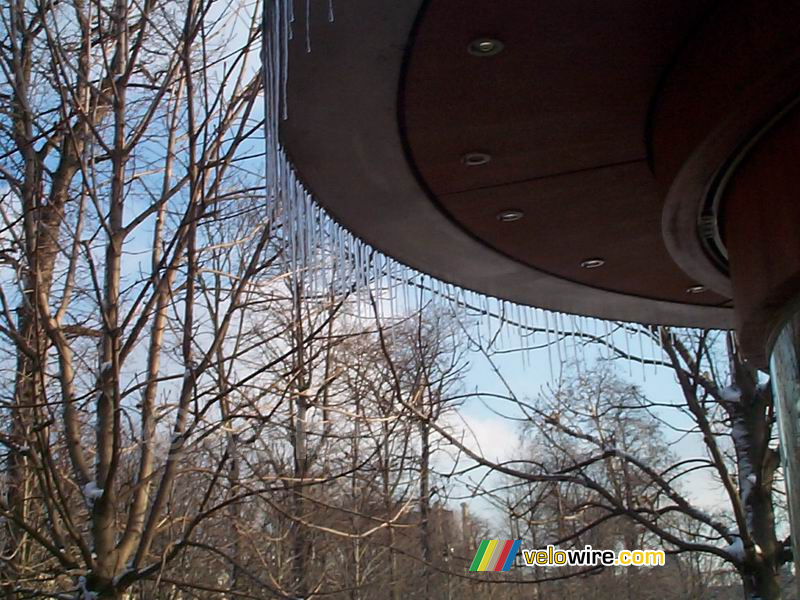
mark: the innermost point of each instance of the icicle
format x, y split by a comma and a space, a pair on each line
569, 336
308, 25
419, 297
488, 319
512, 327
558, 343
651, 335
342, 258
656, 348
569, 324
523, 350
291, 221
391, 289
502, 329
582, 328
320, 254
355, 275
628, 357
313, 241
562, 347
641, 356
574, 328
297, 229
406, 284
532, 322
286, 35
326, 244
290, 17
528, 335
301, 228
548, 343
357, 266
314, 225
376, 276
366, 262
366, 267
392, 313
493, 319
464, 313
342, 261
352, 262
308, 231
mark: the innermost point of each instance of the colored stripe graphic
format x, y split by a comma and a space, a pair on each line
498, 550
487, 556
495, 555
512, 555
501, 560
476, 562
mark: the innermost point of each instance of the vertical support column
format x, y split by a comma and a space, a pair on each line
761, 219
785, 371
760, 215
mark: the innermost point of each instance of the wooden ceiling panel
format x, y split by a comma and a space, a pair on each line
571, 90
563, 113
606, 213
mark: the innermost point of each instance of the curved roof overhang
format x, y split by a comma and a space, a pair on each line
580, 114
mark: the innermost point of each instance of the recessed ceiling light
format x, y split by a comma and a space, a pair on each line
485, 47
592, 263
696, 289
510, 215
475, 159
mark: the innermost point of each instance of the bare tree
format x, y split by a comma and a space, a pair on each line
744, 410
191, 409
126, 127
592, 452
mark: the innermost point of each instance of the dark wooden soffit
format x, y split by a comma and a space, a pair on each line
344, 138
563, 112
761, 219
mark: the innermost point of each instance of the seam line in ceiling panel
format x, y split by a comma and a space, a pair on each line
479, 188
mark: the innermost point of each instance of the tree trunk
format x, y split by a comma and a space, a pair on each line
394, 580
18, 473
756, 466
301, 545
424, 507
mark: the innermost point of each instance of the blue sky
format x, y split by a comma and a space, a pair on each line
498, 437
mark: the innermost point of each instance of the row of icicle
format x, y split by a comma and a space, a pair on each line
330, 257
